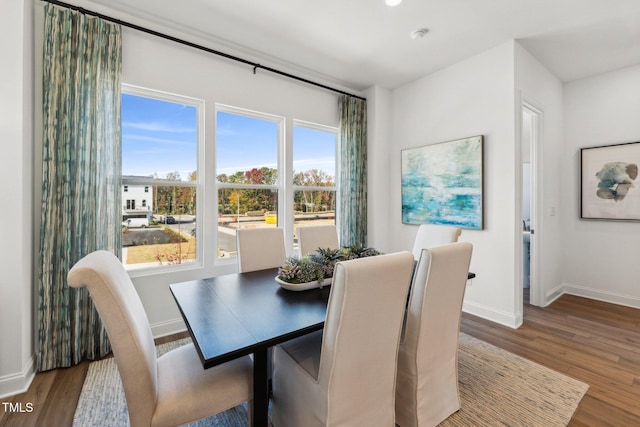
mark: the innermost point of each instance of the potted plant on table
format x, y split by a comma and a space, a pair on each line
316, 269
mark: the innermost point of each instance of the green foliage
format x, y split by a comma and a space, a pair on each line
320, 264
174, 200
239, 201
182, 200
300, 270
357, 251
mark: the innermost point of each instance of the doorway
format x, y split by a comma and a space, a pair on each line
531, 122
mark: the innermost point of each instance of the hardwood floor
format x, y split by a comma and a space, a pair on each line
54, 396
595, 342
592, 341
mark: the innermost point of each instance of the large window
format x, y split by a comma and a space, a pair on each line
160, 140
254, 189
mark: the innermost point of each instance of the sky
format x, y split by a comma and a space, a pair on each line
159, 137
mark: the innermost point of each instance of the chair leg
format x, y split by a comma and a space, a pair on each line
249, 412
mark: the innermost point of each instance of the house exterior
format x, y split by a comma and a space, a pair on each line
136, 199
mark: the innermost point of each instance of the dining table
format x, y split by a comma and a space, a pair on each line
234, 315
240, 314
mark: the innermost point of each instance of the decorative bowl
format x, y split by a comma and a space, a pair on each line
303, 286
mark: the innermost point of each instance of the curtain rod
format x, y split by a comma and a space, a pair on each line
255, 65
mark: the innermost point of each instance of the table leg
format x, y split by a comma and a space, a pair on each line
260, 389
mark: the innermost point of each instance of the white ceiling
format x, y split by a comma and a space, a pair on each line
360, 43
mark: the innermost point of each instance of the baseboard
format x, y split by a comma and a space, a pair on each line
13, 384
598, 294
169, 327
490, 313
553, 294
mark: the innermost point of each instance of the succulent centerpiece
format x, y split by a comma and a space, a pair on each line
318, 266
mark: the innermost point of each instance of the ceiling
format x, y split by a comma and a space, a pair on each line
360, 43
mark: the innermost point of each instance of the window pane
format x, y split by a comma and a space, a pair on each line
314, 165
246, 153
151, 240
246, 149
159, 138
243, 208
159, 141
314, 157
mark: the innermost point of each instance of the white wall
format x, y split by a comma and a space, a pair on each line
473, 97
601, 257
16, 135
378, 166
536, 85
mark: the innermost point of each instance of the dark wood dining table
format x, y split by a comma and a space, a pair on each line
246, 313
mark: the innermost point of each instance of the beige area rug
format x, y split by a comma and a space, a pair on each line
497, 388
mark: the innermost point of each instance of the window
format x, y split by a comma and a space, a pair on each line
247, 173
160, 143
252, 155
314, 175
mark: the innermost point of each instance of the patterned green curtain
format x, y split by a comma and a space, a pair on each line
352, 191
81, 207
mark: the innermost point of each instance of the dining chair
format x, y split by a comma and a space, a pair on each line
345, 374
260, 248
427, 381
312, 237
169, 390
430, 235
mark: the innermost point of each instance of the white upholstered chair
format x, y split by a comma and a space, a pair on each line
313, 237
346, 374
427, 382
260, 248
430, 235
173, 389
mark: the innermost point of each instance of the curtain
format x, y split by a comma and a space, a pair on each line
352, 184
81, 206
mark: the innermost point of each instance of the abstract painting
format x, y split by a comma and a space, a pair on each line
609, 182
442, 184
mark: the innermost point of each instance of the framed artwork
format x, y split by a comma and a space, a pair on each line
608, 182
442, 183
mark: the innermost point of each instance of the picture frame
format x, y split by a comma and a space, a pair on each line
443, 183
609, 183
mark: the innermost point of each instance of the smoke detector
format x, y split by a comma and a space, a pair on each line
418, 34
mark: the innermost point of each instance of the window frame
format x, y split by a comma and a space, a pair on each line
198, 184
324, 128
280, 122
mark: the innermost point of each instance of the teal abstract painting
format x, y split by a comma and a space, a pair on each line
442, 184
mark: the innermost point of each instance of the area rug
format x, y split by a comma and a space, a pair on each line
497, 388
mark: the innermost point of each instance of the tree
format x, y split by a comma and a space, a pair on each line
170, 199
254, 176
234, 200
313, 200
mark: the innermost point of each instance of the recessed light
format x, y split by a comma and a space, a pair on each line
418, 34
392, 2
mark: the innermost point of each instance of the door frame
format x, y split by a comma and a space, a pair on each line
537, 123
